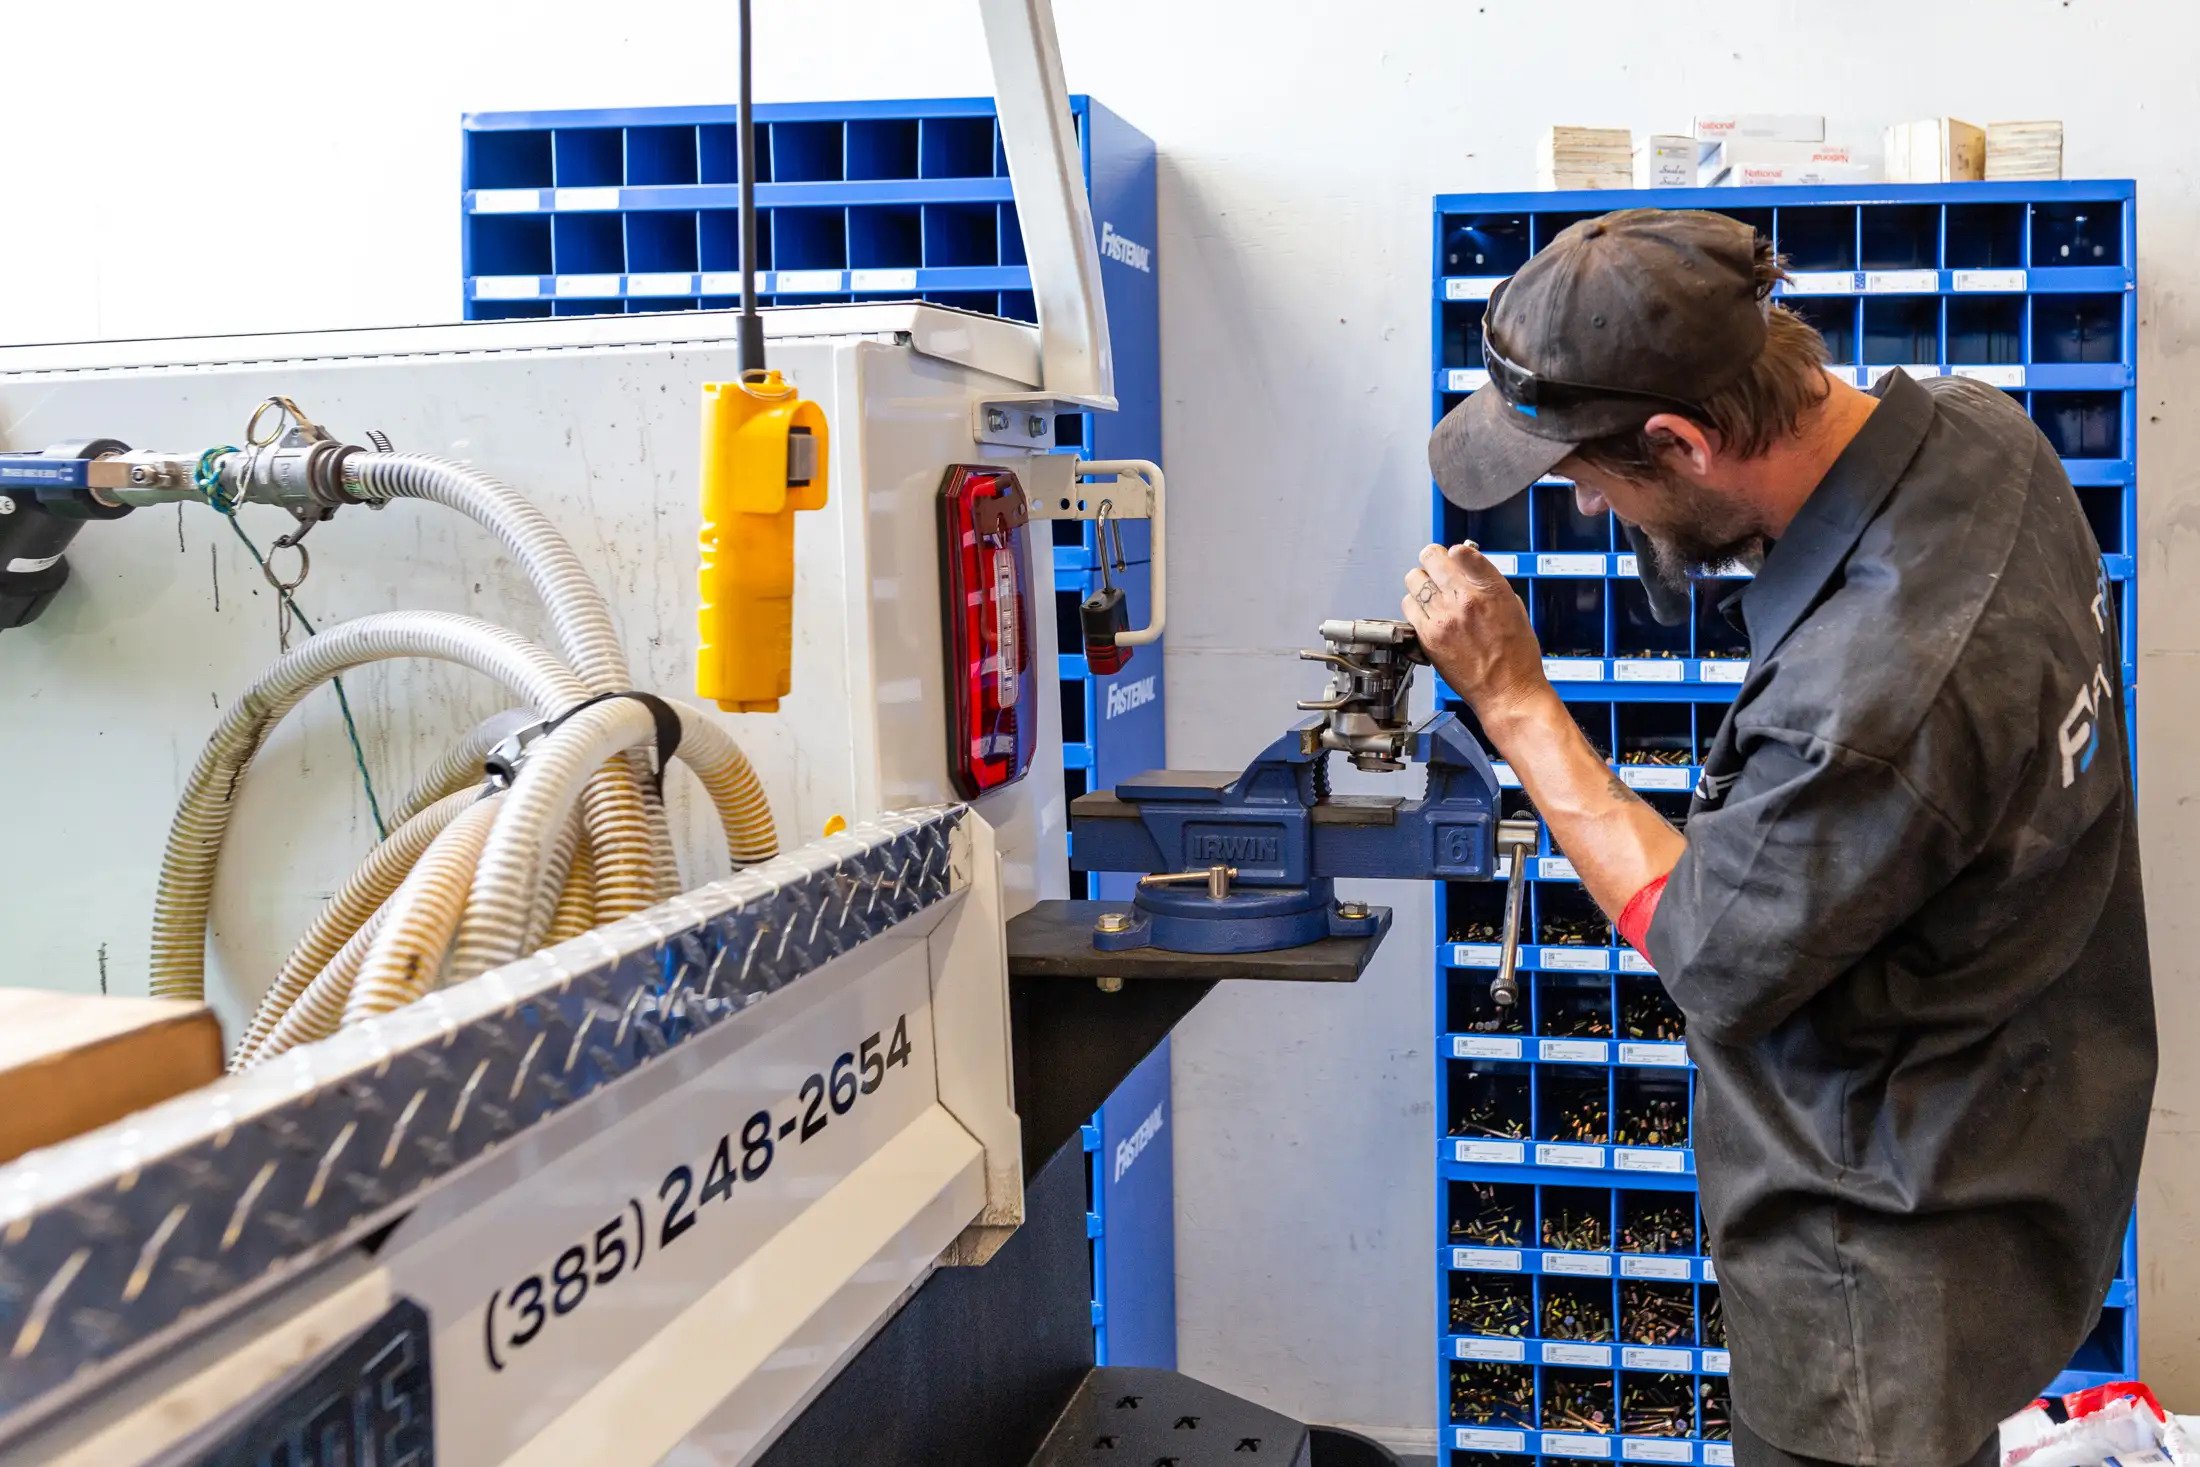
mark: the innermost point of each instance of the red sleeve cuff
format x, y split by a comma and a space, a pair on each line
1634, 921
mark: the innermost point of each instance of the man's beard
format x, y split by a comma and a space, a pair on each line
1704, 536
1701, 531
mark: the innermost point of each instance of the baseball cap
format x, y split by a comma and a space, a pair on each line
1617, 319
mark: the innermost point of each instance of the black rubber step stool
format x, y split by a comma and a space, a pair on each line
1126, 1417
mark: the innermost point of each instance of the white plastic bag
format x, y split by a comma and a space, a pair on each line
2121, 1425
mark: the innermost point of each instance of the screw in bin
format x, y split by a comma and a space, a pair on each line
996, 421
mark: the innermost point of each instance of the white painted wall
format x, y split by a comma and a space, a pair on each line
222, 170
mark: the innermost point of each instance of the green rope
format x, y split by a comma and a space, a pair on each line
206, 477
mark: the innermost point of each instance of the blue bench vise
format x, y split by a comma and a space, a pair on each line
1248, 862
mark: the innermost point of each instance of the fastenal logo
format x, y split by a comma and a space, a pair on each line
1123, 697
2080, 734
1128, 252
1127, 1149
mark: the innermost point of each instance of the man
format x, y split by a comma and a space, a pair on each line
1905, 923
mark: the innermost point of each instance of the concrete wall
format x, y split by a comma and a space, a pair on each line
194, 189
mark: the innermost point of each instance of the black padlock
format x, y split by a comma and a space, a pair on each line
1104, 616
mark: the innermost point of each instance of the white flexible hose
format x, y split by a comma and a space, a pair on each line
582, 618
494, 929
579, 615
202, 816
321, 1007
461, 767
361, 895
405, 958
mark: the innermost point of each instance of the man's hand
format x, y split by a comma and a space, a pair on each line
1475, 631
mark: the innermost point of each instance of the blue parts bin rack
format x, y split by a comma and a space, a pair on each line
574, 213
1572, 1276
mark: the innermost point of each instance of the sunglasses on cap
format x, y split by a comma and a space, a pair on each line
1529, 390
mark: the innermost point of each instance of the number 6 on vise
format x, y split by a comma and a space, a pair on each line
763, 458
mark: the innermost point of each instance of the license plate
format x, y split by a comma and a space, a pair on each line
372, 1403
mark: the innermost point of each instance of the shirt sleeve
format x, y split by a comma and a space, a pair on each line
1816, 855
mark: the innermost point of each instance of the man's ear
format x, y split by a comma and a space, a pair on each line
1688, 441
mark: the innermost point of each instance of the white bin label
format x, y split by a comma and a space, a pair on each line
2001, 375
1576, 959
1573, 1156
1569, 565
1820, 282
1484, 1046
1572, 1051
584, 198
882, 280
1723, 669
1639, 1266
1577, 1355
1988, 279
1574, 669
1504, 562
1636, 1449
1638, 1053
1657, 776
1638, 1357
1464, 379
1503, 1153
1661, 1159
1482, 1439
1471, 287
1718, 1362
1588, 1265
1901, 282
1647, 670
1512, 1350
1493, 1260
1566, 1444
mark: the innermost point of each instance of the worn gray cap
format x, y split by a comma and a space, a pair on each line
1617, 319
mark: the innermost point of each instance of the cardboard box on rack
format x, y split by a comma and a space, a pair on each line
1797, 162
1587, 157
1666, 160
2024, 150
1935, 150
1719, 127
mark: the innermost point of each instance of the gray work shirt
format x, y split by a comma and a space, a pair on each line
1909, 941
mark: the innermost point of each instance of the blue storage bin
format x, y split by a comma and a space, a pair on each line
1563, 1171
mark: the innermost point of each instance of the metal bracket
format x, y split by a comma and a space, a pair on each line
1021, 419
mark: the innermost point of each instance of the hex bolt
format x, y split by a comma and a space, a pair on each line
1113, 922
996, 421
1036, 426
1352, 911
140, 474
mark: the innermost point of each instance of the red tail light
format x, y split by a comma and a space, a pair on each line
993, 719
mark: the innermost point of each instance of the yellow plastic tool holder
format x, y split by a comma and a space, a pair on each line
757, 472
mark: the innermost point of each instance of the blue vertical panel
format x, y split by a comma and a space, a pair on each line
1133, 1219
1573, 1280
633, 209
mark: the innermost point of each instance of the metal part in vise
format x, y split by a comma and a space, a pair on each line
1371, 675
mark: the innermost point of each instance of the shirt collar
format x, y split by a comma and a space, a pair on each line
1826, 528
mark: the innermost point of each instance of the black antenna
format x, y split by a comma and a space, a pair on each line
749, 342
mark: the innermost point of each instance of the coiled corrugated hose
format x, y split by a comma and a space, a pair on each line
581, 838
579, 614
500, 908
626, 860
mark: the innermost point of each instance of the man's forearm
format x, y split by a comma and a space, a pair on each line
1615, 840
